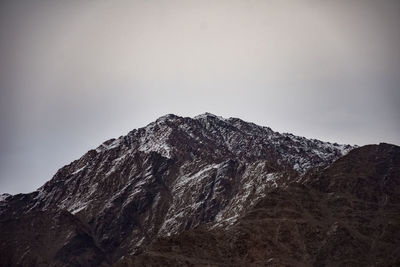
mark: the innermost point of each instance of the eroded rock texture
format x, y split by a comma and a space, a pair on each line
210, 191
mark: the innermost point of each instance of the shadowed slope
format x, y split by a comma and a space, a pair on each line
345, 215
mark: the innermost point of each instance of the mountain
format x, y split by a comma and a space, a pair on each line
210, 191
344, 215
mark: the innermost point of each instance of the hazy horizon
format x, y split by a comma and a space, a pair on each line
76, 73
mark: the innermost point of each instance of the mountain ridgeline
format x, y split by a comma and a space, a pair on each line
210, 191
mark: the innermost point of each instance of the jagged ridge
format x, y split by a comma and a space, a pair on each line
173, 175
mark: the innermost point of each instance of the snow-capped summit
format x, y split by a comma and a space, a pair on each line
179, 158
228, 136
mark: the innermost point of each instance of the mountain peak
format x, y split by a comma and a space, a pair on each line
166, 117
208, 115
173, 136
173, 175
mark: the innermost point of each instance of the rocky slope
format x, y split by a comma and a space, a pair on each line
345, 215
167, 181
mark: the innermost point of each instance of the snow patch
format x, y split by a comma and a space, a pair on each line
184, 179
4, 196
155, 140
79, 170
206, 115
77, 209
103, 147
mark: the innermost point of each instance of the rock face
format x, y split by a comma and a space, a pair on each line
345, 215
209, 190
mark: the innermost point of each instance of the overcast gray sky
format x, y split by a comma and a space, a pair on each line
76, 73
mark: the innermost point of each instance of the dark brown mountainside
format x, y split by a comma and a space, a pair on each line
345, 215
209, 190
